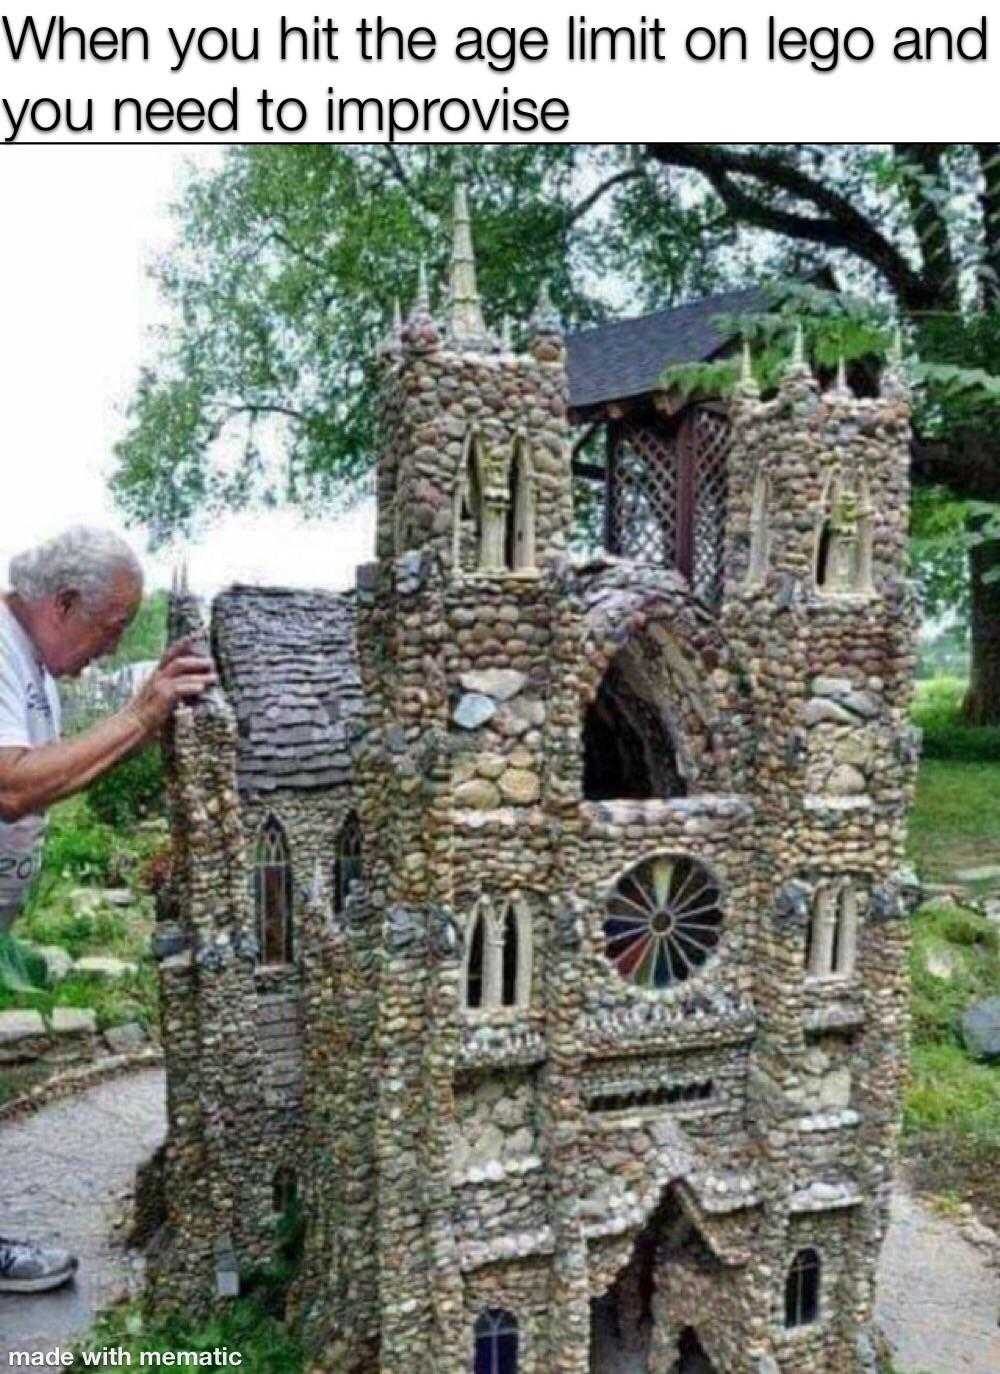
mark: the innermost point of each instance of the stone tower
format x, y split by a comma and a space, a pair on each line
599, 949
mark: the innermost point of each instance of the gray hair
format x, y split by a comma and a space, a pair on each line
82, 559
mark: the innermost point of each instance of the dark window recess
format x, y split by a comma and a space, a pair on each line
802, 1289
272, 879
347, 863
823, 554
496, 1343
474, 980
628, 753
676, 1094
510, 952
666, 494
284, 1189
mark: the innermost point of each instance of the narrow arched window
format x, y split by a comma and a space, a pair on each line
284, 1190
509, 955
467, 508
347, 861
273, 894
474, 976
843, 525
802, 1289
496, 1343
846, 942
759, 529
519, 541
832, 938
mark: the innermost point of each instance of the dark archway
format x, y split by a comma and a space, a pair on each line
691, 1357
628, 752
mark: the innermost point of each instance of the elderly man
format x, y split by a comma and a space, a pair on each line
69, 603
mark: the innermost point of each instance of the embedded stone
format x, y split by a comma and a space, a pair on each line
835, 1090
854, 749
499, 683
477, 795
519, 1143
74, 1021
819, 709
103, 966
845, 781
474, 709
490, 765
520, 786
125, 1039
20, 1025
487, 1147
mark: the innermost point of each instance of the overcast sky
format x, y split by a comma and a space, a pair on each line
78, 229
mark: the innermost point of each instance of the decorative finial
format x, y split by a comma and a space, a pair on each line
894, 381
748, 382
174, 580
798, 365
184, 588
423, 297
507, 335
895, 354
466, 326
546, 328
397, 316
420, 333
840, 386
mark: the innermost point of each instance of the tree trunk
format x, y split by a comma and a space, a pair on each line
982, 702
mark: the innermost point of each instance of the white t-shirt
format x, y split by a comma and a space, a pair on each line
29, 716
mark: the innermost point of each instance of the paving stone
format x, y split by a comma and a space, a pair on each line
74, 1021
103, 966
20, 1025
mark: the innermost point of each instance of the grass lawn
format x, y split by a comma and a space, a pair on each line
952, 1110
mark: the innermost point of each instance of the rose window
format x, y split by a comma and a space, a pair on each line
664, 920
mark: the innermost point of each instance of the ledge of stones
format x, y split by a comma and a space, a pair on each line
825, 1197
666, 1027
845, 1119
495, 1045
634, 1118
839, 1015
474, 1254
70, 1035
655, 811
79, 1079
496, 1171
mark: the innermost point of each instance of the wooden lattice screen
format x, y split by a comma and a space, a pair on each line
666, 500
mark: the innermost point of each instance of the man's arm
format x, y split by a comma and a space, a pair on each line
33, 778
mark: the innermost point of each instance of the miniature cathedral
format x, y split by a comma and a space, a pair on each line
536, 931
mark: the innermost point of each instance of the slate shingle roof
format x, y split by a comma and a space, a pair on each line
627, 357
288, 663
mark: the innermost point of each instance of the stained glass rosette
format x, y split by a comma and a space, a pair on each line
664, 921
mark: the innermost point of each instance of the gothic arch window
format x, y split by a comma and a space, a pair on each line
495, 1343
832, 940
273, 894
759, 529
664, 920
284, 1189
844, 537
467, 508
498, 956
347, 861
519, 538
802, 1289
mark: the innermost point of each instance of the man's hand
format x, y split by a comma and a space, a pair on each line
182, 673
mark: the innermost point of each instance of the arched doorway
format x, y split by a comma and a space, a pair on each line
691, 1357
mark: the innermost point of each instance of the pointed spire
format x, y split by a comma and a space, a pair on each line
798, 364
546, 329
840, 386
183, 587
507, 335
466, 327
748, 382
397, 316
895, 381
175, 580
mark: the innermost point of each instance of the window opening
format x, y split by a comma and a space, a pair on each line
347, 863
496, 1343
802, 1289
273, 894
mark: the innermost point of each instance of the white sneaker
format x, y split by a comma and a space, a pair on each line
28, 1268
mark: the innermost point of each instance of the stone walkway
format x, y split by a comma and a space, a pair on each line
65, 1170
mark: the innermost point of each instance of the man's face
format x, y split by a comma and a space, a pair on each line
76, 633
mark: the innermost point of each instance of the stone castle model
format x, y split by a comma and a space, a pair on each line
538, 925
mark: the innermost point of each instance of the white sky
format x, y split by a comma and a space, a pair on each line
78, 229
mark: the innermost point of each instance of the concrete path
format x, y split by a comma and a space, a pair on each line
65, 1170
63, 1174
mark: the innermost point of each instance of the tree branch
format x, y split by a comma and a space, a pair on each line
929, 225
584, 206
838, 224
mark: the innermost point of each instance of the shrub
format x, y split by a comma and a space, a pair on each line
78, 846
131, 791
